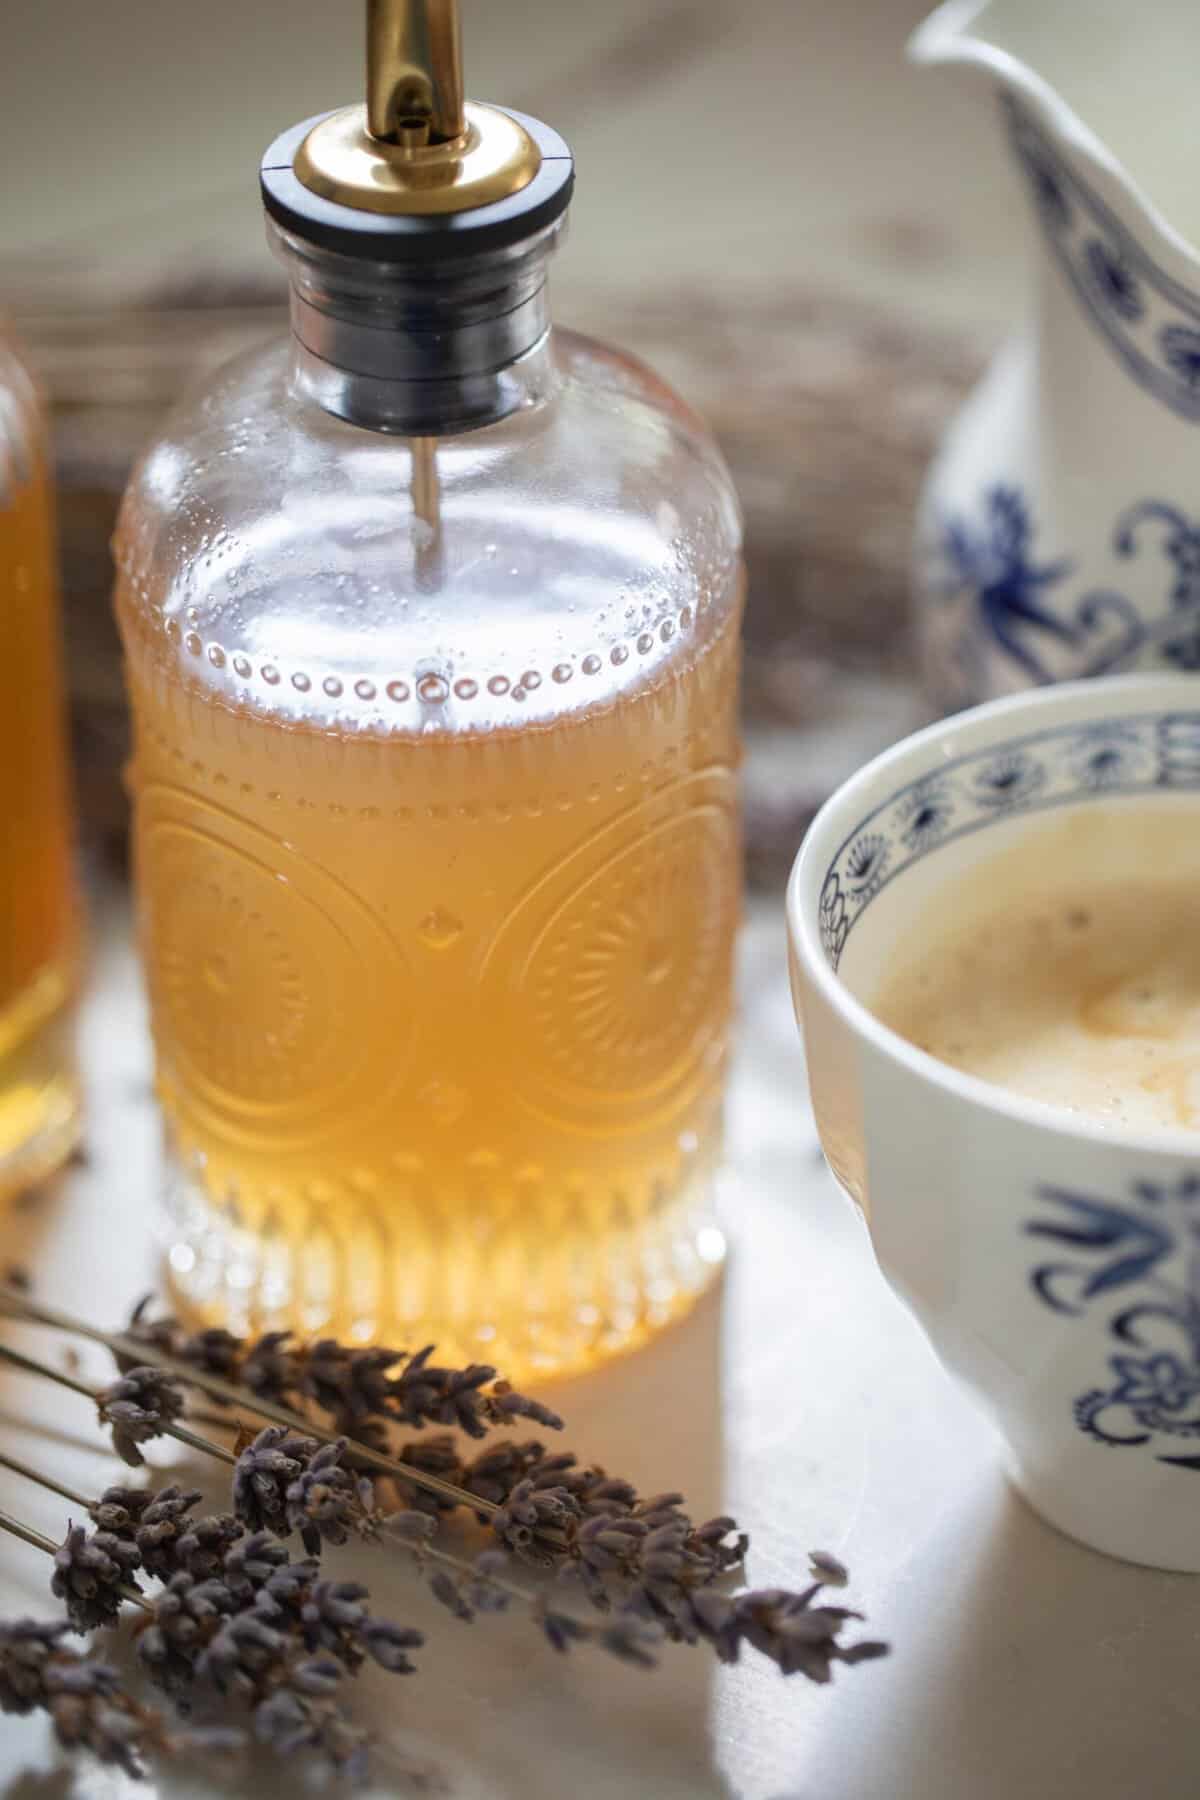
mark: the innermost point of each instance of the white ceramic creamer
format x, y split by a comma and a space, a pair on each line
1059, 532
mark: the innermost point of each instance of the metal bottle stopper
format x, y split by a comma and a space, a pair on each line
418, 225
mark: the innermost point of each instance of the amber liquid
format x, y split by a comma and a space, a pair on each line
441, 1020
38, 1099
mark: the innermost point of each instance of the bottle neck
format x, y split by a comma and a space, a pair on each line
418, 351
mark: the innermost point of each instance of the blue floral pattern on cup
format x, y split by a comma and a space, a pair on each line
1139, 1257
1136, 754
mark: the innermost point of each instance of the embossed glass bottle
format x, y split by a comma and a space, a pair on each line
431, 619
39, 1100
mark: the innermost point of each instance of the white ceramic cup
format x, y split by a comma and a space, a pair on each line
1053, 1261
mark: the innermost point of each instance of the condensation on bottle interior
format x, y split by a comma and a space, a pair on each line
441, 1005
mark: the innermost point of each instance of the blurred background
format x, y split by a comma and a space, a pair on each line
817, 244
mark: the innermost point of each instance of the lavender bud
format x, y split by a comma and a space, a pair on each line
251, 1563
350, 1384
411, 1527
325, 1501
90, 1571
262, 1475
561, 1631
629, 1639
282, 1722
161, 1523
119, 1508
508, 1404
530, 1510
435, 1456
140, 1406
203, 1547
214, 1350
446, 1590
318, 1676
386, 1644
271, 1369
828, 1569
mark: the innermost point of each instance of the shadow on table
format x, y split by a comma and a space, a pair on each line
1026, 1665
604, 1731
494, 1713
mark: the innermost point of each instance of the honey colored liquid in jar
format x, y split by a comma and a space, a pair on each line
441, 1018
38, 921
431, 613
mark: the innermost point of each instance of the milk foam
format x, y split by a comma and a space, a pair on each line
1081, 992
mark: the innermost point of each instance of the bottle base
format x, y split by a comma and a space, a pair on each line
627, 1288
40, 1106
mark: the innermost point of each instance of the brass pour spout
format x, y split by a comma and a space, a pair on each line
414, 72
417, 148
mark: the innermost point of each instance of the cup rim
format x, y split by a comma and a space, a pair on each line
955, 735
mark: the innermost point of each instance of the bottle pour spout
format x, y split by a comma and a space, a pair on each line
414, 71
416, 228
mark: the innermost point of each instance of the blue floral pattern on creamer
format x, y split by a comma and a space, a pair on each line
1013, 600
1150, 320
1136, 754
1138, 1257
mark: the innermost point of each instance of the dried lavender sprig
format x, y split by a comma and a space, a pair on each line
19, 1305
263, 1475
650, 1565
599, 1521
482, 1585
155, 1523
653, 1557
796, 1635
256, 1560
277, 1637
680, 1559
87, 1704
268, 1631
645, 1562
39, 1541
324, 1500
357, 1386
140, 1406
93, 1574
169, 1428
664, 1588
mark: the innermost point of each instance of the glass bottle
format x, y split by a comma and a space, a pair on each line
431, 623
39, 1097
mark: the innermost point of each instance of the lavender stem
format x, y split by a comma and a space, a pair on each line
47, 1481
31, 1366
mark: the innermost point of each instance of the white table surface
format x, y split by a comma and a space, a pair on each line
802, 1398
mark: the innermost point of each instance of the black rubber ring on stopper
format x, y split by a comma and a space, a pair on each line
428, 237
